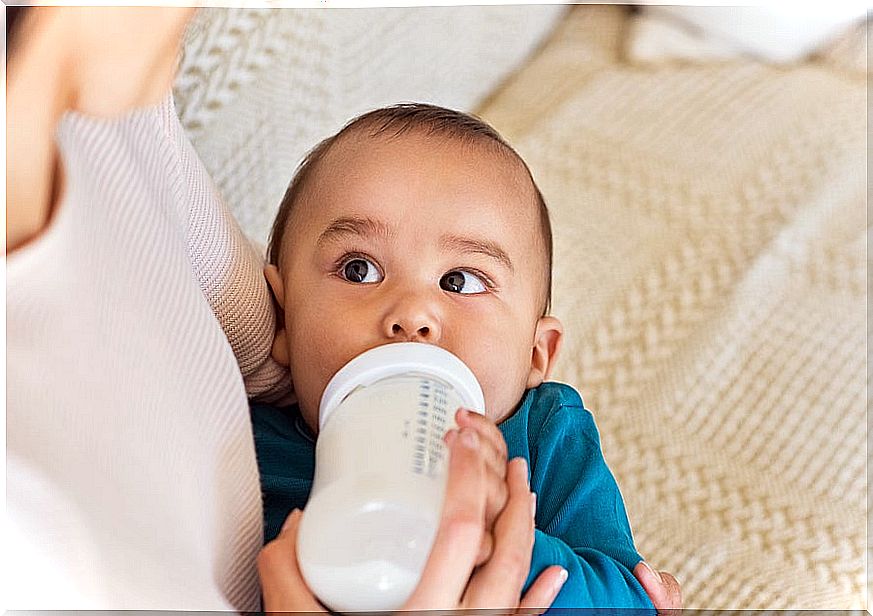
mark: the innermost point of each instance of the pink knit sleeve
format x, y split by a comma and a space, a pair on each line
229, 271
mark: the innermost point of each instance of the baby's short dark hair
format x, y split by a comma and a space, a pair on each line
393, 121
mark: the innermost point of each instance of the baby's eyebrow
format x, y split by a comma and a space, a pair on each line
477, 245
353, 225
365, 226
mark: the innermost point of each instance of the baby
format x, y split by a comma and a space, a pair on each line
418, 223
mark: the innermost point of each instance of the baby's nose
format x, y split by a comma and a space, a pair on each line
410, 322
398, 331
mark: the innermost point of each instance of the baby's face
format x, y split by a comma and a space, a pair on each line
414, 239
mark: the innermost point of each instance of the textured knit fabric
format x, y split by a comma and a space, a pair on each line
581, 521
132, 481
711, 236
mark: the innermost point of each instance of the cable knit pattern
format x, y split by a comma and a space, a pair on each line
258, 88
710, 238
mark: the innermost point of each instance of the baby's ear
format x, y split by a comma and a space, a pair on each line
280, 342
547, 344
274, 279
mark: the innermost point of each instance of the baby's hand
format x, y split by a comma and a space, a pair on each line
496, 458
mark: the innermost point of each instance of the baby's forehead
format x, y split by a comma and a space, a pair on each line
362, 155
359, 145
361, 159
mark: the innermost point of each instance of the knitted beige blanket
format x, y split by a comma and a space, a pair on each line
710, 269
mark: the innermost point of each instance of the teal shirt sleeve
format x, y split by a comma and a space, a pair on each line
581, 520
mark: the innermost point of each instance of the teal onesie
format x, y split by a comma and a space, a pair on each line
581, 523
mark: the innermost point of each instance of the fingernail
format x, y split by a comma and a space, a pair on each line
533, 505
462, 413
654, 573
562, 577
469, 439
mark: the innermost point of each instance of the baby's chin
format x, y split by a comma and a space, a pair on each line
503, 412
498, 416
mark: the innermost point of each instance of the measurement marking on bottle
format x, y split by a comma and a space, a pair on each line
429, 449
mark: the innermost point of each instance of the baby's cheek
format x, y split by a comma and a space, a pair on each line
502, 373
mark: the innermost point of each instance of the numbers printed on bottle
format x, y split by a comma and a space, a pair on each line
429, 448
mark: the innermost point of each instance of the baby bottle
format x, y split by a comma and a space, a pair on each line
380, 473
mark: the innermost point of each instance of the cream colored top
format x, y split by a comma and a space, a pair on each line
132, 481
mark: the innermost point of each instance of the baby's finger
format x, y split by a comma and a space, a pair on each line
662, 588
498, 582
674, 592
491, 436
453, 555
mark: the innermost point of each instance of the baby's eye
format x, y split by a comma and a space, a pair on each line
458, 281
360, 270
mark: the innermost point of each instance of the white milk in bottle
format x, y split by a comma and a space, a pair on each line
380, 473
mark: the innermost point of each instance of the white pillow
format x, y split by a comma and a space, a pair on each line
771, 32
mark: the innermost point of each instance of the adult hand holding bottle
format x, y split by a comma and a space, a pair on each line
449, 580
